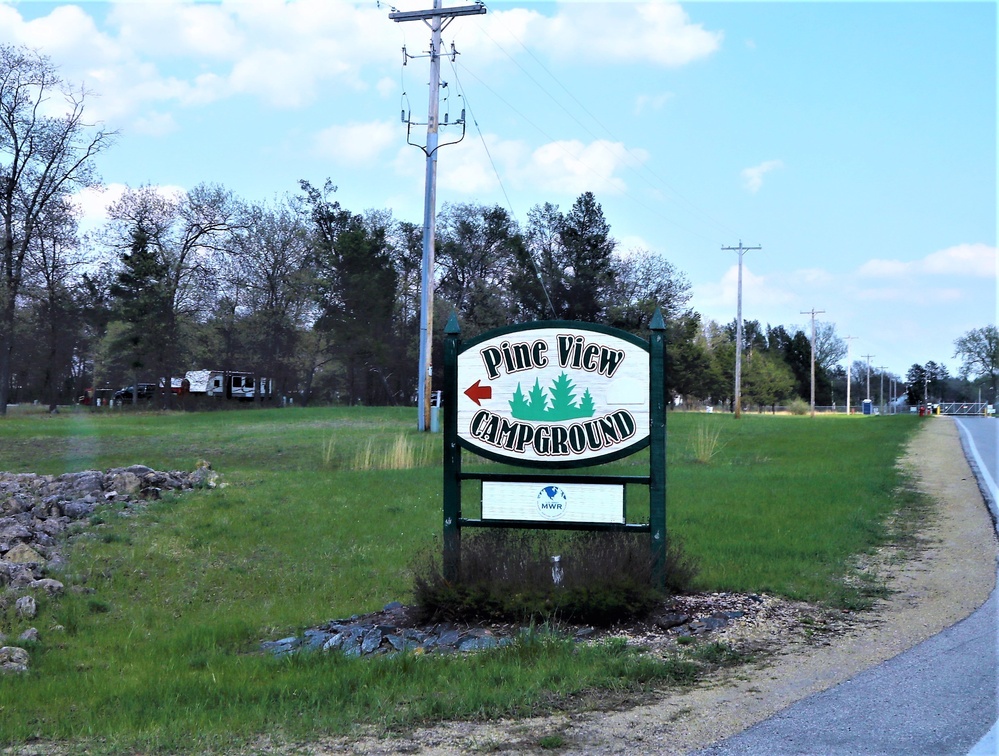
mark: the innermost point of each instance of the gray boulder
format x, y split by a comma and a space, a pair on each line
13, 659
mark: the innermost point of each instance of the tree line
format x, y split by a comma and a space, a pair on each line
320, 299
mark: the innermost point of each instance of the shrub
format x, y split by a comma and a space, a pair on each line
508, 575
798, 406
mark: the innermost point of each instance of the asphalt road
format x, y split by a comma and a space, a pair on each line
938, 698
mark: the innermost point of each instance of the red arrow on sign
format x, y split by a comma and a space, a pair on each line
476, 392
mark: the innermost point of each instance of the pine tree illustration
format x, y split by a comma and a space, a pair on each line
538, 401
586, 406
519, 408
563, 398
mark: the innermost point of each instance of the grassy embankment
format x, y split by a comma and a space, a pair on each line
163, 654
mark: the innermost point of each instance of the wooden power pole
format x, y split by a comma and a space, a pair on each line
738, 329
437, 18
813, 313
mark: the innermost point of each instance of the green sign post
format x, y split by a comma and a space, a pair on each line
554, 395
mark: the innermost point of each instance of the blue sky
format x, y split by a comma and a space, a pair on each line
854, 142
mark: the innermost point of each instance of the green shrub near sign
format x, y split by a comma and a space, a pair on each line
163, 655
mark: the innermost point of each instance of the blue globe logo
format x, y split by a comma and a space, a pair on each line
552, 502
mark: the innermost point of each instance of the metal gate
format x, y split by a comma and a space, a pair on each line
963, 408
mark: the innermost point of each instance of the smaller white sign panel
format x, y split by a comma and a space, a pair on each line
564, 502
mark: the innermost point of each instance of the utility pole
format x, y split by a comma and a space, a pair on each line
848, 339
437, 18
881, 394
738, 329
868, 356
813, 313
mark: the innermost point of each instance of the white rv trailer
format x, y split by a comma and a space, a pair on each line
229, 384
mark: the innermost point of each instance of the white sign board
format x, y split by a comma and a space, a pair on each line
554, 395
565, 502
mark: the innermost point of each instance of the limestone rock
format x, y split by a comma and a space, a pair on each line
22, 553
26, 607
50, 586
13, 659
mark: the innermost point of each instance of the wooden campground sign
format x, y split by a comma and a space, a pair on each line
554, 395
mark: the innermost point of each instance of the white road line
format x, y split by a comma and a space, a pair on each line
988, 745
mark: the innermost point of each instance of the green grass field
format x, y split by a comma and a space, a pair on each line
312, 525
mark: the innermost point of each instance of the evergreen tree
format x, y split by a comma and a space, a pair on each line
142, 303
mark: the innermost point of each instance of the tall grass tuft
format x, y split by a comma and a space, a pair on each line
706, 443
329, 453
403, 452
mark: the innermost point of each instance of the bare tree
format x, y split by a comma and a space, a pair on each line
49, 284
42, 159
268, 278
979, 353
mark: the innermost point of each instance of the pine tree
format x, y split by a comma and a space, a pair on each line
519, 408
142, 303
563, 399
538, 402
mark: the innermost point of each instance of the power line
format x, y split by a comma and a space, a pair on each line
643, 166
534, 263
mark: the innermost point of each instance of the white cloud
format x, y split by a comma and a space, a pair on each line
387, 86
357, 143
572, 167
979, 260
566, 168
628, 246
962, 260
155, 124
910, 295
656, 33
760, 294
653, 102
92, 203
150, 56
752, 178
282, 52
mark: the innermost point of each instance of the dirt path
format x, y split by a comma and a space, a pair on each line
949, 578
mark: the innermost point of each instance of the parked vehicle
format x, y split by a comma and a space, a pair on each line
126, 395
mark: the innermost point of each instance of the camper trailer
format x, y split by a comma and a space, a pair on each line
229, 384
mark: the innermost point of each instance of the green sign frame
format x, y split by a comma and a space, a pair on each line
655, 441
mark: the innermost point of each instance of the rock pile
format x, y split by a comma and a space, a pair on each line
38, 511
394, 629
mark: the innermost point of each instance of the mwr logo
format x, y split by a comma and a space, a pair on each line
552, 502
